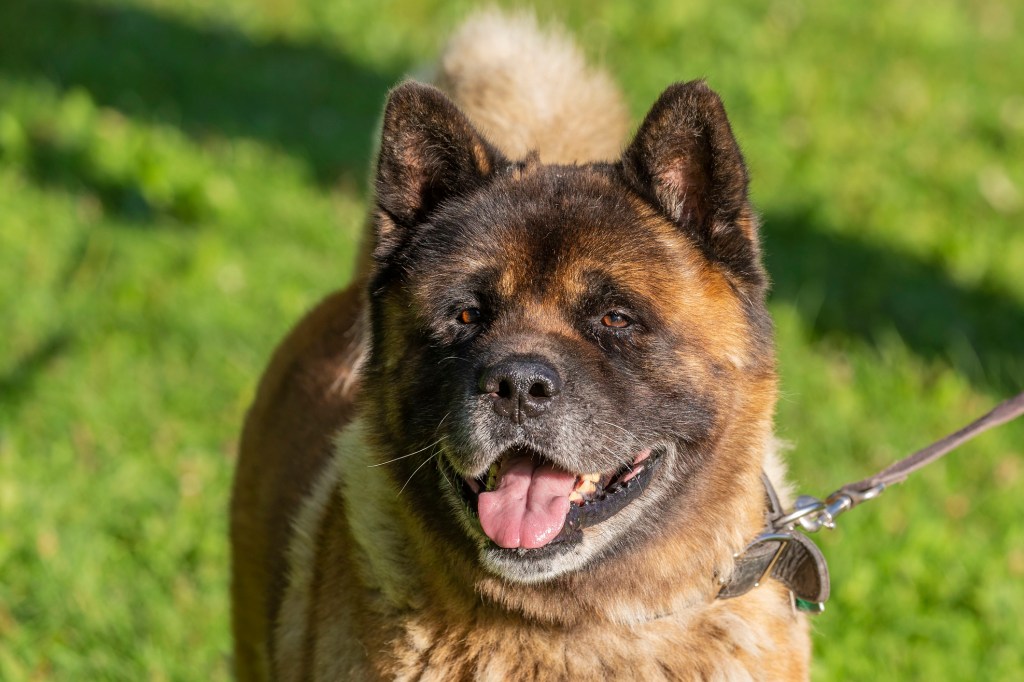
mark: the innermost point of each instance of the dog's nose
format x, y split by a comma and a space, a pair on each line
521, 388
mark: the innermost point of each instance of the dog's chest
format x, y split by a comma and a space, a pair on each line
727, 648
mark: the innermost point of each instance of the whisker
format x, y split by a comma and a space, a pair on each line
624, 430
380, 464
416, 470
447, 480
441, 422
454, 357
639, 483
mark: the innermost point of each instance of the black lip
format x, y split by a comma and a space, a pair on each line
590, 513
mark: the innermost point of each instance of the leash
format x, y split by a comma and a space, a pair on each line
783, 553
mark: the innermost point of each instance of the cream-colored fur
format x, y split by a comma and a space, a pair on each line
291, 630
530, 89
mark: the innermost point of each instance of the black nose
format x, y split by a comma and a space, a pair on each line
521, 388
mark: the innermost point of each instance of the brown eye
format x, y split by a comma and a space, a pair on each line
470, 316
615, 321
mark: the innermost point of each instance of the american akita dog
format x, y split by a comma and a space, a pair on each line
527, 442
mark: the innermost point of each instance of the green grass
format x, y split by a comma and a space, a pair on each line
179, 181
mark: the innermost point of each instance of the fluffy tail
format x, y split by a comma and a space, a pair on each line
530, 89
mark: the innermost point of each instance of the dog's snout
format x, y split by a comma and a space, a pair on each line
521, 388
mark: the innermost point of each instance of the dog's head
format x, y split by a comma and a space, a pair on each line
561, 354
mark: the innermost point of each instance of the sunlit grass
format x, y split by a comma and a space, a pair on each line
179, 181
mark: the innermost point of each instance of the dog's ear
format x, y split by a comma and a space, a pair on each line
429, 152
686, 160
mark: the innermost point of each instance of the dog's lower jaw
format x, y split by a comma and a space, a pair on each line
608, 540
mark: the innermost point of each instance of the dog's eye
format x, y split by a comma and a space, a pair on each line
470, 316
616, 320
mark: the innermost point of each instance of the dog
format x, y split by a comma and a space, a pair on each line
527, 443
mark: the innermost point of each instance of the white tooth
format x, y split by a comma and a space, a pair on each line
586, 488
575, 497
593, 478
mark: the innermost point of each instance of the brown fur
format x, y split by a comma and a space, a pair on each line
348, 563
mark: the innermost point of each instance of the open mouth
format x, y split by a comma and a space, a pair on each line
526, 502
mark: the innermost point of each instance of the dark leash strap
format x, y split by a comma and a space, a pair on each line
898, 472
784, 554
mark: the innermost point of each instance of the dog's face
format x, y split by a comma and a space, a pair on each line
557, 349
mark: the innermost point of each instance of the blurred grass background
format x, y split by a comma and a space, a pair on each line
180, 180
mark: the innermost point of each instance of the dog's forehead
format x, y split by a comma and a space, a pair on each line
563, 231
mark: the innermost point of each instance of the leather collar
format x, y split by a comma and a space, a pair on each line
785, 555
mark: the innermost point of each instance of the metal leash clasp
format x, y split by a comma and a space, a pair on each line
814, 514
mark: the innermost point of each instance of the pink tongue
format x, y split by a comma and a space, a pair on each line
528, 507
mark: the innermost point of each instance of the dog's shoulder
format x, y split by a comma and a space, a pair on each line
305, 396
